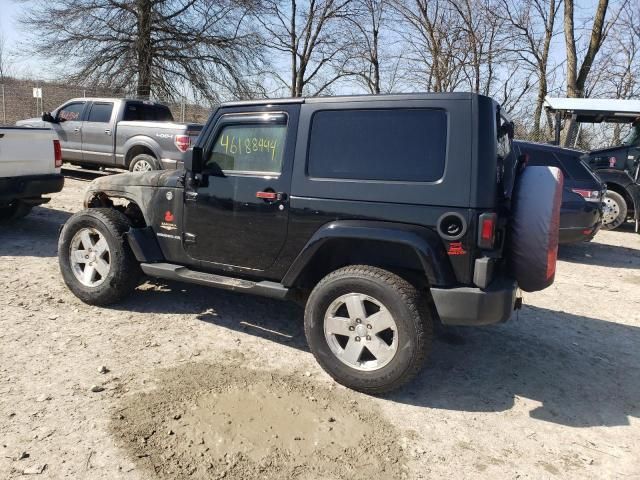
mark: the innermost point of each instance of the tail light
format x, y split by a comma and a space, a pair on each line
183, 142
588, 195
57, 154
487, 230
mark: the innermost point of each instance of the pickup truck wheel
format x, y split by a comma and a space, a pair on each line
368, 328
14, 211
614, 210
144, 163
95, 259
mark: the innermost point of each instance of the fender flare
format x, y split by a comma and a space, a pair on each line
141, 141
623, 180
424, 242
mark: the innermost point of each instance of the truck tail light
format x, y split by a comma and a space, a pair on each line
57, 153
487, 230
588, 195
183, 142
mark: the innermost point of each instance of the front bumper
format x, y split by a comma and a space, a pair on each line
475, 306
29, 186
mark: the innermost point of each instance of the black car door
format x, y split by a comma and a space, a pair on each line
236, 214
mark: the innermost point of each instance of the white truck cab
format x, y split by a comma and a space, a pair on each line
30, 161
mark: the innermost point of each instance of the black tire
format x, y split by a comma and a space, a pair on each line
14, 211
124, 271
615, 210
408, 309
146, 159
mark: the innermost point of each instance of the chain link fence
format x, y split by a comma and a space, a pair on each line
18, 102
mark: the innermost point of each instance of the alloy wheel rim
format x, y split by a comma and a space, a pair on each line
90, 257
142, 166
361, 332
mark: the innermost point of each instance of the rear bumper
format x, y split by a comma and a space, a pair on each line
475, 306
29, 186
579, 221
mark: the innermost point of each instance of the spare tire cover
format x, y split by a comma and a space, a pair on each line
533, 236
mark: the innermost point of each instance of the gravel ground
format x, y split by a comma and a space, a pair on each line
186, 382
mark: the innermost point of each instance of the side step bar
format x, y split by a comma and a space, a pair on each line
183, 274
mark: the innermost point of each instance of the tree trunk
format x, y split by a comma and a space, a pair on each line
576, 79
294, 50
143, 48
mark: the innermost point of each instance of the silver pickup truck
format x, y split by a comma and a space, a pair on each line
138, 135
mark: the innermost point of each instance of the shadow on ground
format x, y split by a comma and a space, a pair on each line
584, 371
601, 254
35, 235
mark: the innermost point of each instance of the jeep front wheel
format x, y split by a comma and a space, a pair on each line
368, 328
95, 259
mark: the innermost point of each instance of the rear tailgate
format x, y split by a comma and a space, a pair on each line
27, 151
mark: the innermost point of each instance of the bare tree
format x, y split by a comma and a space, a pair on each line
153, 46
4, 61
534, 25
309, 33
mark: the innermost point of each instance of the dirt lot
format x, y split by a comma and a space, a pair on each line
199, 383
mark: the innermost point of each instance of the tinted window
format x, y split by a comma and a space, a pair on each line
249, 148
401, 145
574, 166
71, 112
100, 112
538, 157
147, 112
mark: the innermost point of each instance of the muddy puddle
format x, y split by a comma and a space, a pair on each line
225, 421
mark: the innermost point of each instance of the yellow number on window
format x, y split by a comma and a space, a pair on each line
224, 142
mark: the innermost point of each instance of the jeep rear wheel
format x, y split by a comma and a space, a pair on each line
95, 259
368, 328
614, 210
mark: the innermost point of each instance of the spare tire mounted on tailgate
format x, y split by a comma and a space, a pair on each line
533, 237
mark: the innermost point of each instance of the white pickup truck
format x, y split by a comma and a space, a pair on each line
30, 161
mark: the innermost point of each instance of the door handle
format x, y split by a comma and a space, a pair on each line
271, 196
76, 130
107, 131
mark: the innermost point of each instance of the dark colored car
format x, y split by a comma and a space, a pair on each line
583, 192
382, 214
619, 168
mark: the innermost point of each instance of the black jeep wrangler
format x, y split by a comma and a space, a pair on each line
383, 214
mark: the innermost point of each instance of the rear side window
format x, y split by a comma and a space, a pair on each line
393, 145
543, 158
139, 111
100, 112
574, 166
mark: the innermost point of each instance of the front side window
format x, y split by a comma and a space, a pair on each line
249, 149
386, 145
100, 113
71, 112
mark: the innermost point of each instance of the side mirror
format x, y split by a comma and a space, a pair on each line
194, 162
47, 117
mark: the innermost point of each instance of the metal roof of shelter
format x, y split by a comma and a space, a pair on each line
594, 110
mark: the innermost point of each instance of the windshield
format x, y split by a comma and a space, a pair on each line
633, 138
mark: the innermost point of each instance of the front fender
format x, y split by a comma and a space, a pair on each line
425, 243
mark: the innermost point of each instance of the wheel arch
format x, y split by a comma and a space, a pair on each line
140, 145
393, 246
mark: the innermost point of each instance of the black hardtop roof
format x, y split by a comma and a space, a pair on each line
357, 98
547, 146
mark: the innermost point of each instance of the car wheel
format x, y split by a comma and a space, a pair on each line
368, 328
14, 211
614, 210
95, 259
144, 163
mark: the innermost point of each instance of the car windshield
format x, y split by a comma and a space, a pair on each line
633, 138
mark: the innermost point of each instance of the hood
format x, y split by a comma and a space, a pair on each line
35, 122
120, 181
